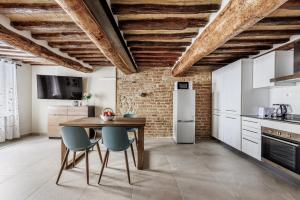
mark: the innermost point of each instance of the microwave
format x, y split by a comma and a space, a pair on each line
181, 85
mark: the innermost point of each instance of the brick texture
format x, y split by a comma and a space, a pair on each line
158, 84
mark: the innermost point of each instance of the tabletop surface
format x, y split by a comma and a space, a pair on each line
94, 122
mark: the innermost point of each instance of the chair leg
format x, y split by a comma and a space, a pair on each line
102, 168
99, 152
87, 165
107, 159
74, 159
62, 166
127, 166
135, 138
133, 155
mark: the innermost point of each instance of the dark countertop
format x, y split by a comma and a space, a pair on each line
292, 119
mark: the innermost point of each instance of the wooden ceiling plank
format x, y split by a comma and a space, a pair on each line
158, 54
235, 18
32, 8
162, 24
291, 5
273, 21
64, 36
145, 37
269, 33
87, 15
46, 26
124, 9
33, 48
154, 44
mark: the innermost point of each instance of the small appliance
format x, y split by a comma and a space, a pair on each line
280, 110
188, 85
265, 112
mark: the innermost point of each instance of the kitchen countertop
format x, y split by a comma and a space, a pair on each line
292, 119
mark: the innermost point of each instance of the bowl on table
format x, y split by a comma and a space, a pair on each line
107, 114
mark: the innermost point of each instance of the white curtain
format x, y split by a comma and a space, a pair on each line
9, 114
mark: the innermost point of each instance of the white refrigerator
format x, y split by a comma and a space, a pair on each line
184, 116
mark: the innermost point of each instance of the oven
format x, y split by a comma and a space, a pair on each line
282, 148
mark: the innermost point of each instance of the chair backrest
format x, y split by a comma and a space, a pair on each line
115, 138
75, 138
129, 115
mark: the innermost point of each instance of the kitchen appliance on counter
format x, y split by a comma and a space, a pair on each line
280, 110
184, 115
265, 112
187, 85
282, 148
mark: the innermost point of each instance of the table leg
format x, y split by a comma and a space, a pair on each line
140, 148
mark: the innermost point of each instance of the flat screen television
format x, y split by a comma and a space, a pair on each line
59, 87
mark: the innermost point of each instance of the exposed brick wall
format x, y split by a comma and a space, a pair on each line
157, 105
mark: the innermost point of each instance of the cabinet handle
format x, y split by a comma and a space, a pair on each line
250, 140
250, 131
216, 115
230, 117
249, 121
231, 110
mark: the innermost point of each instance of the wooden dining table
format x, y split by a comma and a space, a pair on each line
96, 122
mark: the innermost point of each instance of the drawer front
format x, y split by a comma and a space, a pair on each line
58, 110
252, 132
54, 120
251, 122
54, 131
251, 147
78, 111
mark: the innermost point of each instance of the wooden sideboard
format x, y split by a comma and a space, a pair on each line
60, 114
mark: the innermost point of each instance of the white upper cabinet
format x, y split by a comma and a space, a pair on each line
272, 65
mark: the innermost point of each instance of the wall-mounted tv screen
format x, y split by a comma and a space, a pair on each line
59, 87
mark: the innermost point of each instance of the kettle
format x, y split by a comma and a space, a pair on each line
281, 109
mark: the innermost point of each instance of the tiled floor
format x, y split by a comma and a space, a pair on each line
207, 170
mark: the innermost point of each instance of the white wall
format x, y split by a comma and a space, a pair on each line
101, 84
24, 83
287, 95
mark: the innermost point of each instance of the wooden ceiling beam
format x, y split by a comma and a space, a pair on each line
46, 26
162, 24
155, 64
235, 18
23, 43
245, 48
145, 37
95, 21
30, 8
93, 49
125, 9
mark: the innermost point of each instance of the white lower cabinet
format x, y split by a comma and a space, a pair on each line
251, 137
231, 126
251, 146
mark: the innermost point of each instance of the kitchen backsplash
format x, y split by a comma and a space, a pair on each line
287, 95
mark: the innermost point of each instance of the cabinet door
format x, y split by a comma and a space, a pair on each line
233, 87
251, 146
232, 133
263, 70
215, 127
216, 90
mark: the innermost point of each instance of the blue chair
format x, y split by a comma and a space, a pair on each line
76, 139
134, 130
116, 139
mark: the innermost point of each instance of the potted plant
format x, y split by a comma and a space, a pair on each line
86, 98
